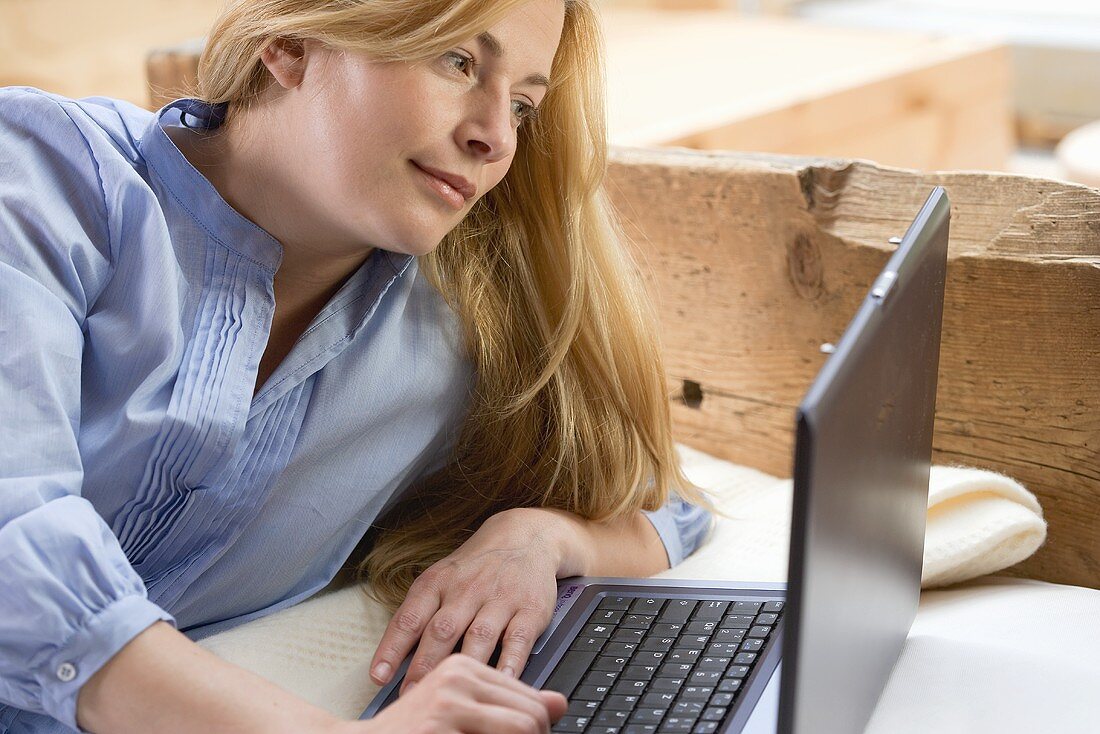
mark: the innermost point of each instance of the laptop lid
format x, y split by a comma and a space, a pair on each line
862, 457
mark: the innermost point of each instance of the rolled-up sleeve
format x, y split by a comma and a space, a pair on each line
69, 598
682, 527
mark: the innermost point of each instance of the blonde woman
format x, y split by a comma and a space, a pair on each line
365, 280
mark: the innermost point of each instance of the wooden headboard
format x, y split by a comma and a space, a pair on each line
756, 260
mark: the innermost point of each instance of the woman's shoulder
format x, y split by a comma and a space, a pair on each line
62, 162
102, 125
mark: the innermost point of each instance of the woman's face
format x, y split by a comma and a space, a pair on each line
372, 131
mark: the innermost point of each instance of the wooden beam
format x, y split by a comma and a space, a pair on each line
756, 260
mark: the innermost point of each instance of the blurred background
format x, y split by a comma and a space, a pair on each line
991, 85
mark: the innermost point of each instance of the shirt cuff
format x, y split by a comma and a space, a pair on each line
72, 663
665, 525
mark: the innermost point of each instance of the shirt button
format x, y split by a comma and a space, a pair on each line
66, 671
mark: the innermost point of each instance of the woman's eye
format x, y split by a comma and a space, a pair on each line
523, 111
460, 63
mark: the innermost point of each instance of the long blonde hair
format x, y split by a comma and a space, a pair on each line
570, 408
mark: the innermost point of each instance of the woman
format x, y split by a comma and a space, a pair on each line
366, 278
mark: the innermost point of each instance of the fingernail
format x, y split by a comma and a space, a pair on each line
508, 671
382, 672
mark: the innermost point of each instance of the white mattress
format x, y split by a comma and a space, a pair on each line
990, 655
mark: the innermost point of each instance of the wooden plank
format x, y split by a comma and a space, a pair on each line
756, 260
725, 81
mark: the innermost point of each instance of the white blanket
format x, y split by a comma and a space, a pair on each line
978, 522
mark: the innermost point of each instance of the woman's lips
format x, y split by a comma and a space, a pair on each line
441, 188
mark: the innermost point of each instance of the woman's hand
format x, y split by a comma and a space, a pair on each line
463, 696
500, 585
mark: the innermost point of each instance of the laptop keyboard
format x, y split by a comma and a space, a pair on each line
649, 665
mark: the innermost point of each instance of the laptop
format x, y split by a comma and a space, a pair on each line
648, 656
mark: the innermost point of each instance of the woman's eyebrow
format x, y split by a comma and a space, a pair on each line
493, 45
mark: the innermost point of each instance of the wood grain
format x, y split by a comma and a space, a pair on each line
756, 260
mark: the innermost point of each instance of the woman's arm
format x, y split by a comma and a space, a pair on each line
161, 681
629, 546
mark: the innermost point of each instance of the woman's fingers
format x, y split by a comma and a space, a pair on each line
484, 632
518, 640
404, 631
439, 638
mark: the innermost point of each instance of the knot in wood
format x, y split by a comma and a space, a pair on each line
805, 268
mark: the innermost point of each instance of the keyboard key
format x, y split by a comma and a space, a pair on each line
705, 677
700, 628
597, 630
639, 672
677, 611
611, 718
736, 671
722, 699
647, 716
606, 616
609, 662
691, 709
728, 636
691, 642
664, 644
736, 621
729, 685
586, 692
667, 629
571, 723
640, 729
773, 606
582, 708
659, 699
710, 611
723, 649
622, 635
621, 603
649, 605
675, 670
685, 656
600, 678
569, 671
649, 657
696, 693
620, 649
760, 631
744, 658
619, 703
714, 713
745, 607
712, 663
665, 684
705, 727
752, 645
766, 618
629, 687
676, 725
588, 644
637, 621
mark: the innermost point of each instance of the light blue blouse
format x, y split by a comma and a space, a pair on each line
140, 478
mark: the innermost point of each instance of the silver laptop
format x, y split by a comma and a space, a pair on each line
813, 655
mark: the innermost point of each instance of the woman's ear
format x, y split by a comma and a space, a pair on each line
285, 58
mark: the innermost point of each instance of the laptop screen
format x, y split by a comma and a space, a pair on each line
862, 458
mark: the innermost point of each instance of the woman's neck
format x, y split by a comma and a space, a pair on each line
251, 178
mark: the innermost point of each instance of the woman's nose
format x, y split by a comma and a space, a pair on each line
487, 131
